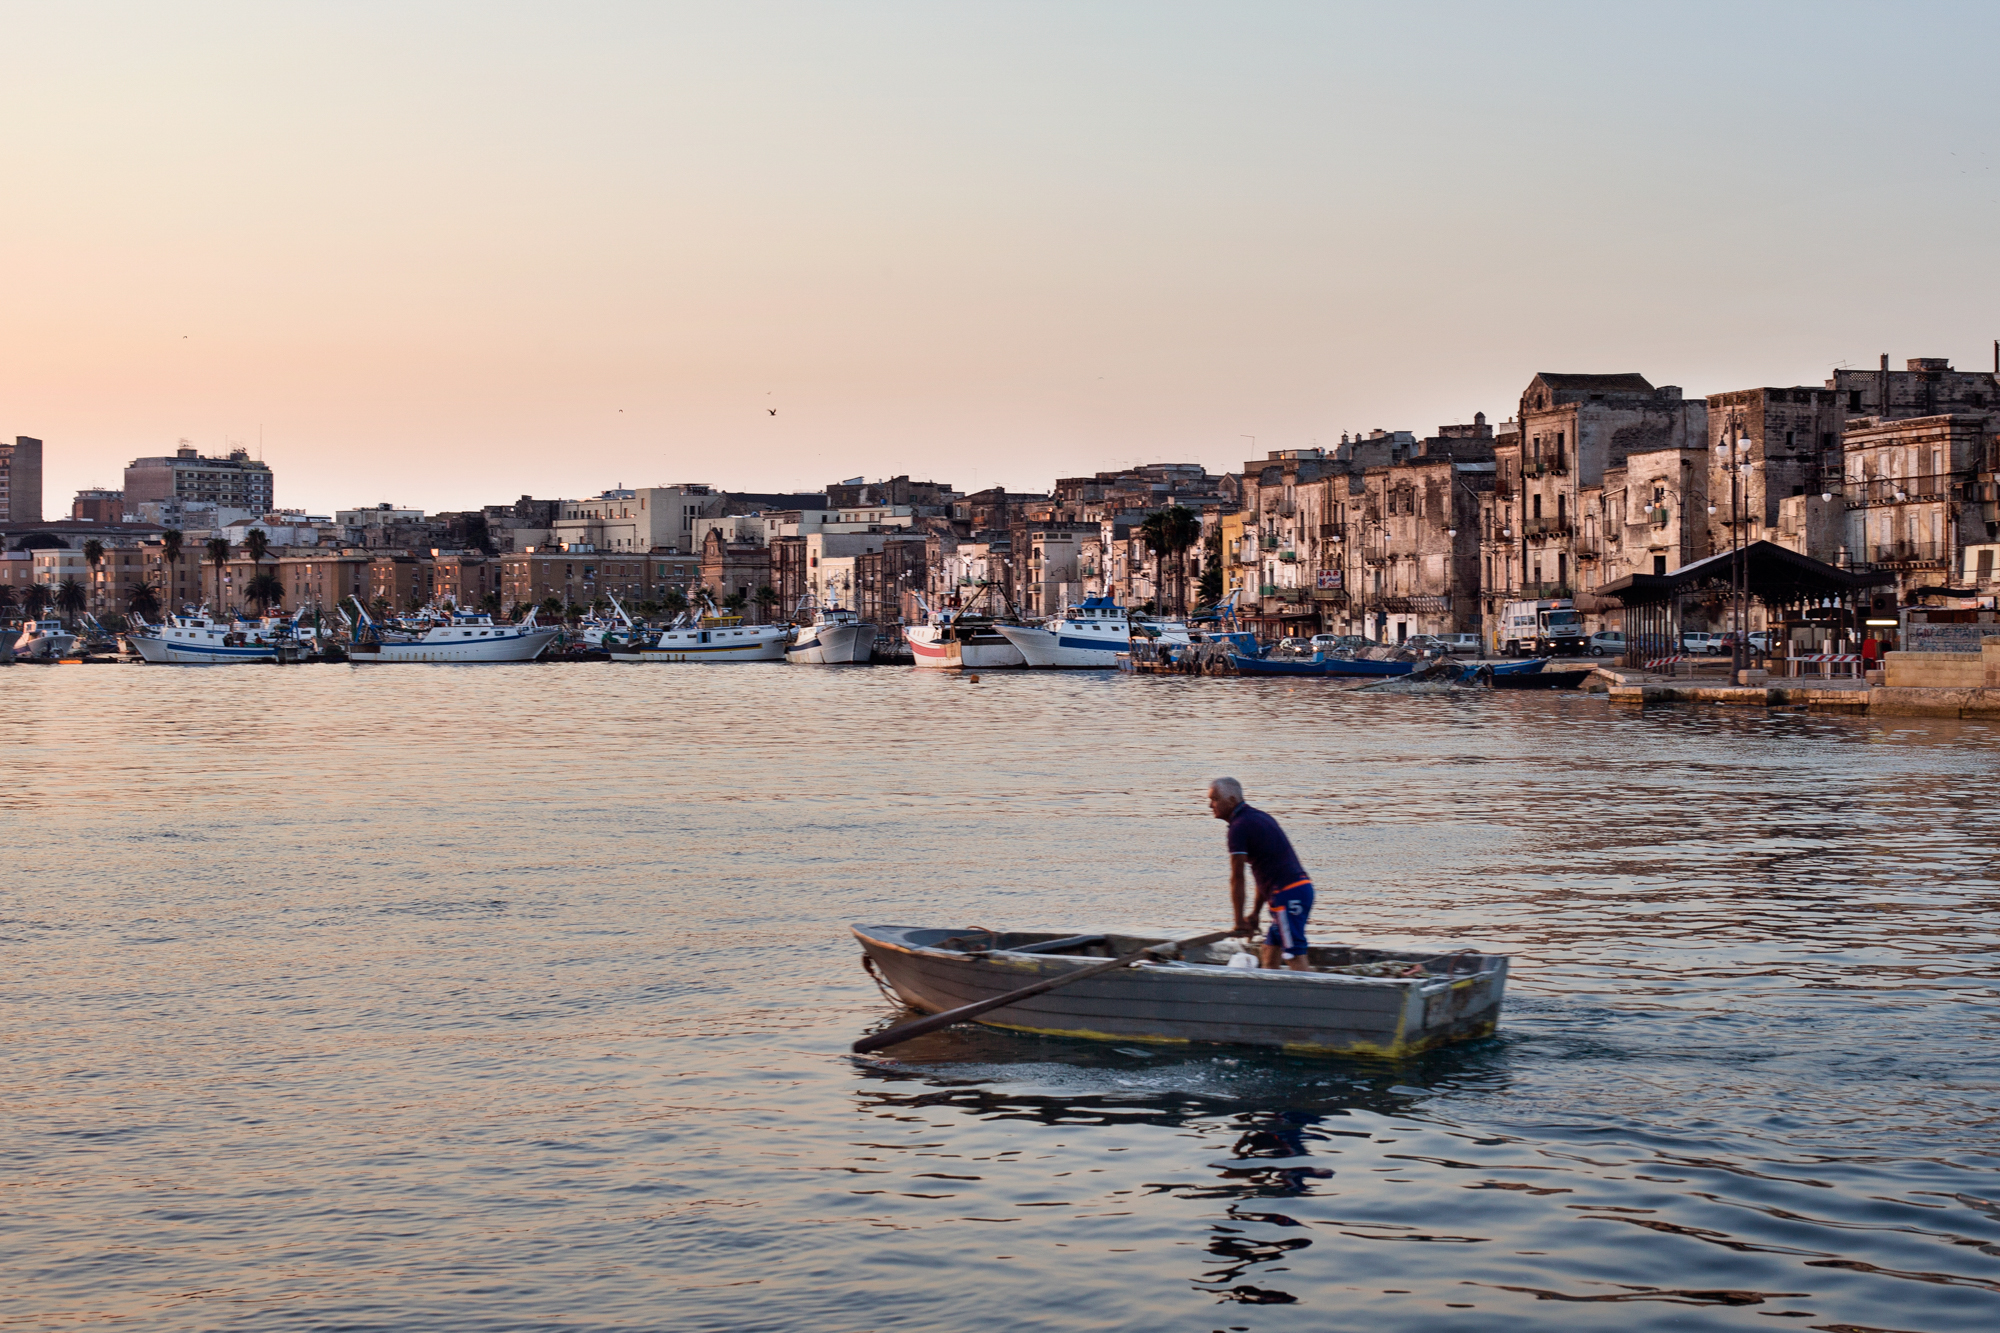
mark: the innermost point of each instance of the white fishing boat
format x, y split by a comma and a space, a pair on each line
710, 639
43, 640
1090, 635
200, 639
836, 635
451, 637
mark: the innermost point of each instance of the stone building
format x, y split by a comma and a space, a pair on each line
1912, 494
1550, 469
1765, 446
579, 578
733, 568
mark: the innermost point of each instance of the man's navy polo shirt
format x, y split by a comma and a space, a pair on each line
1254, 834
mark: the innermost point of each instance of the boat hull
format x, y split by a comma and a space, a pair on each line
1280, 666
172, 652
749, 643
1311, 1013
833, 645
1054, 648
525, 646
986, 652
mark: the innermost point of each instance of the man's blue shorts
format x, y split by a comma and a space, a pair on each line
1290, 906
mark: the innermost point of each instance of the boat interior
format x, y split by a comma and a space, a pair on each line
1345, 959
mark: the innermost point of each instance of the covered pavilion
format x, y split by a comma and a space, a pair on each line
1819, 607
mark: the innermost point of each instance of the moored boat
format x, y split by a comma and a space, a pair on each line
1090, 634
710, 639
201, 639
953, 639
42, 641
836, 636
1356, 1001
455, 638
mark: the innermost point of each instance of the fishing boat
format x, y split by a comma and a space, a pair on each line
835, 636
42, 641
1392, 1003
200, 639
1280, 665
1090, 634
710, 638
451, 636
954, 637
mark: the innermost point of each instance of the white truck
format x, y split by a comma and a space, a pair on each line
1548, 628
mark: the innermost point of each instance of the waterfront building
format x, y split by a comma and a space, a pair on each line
323, 579
579, 577
21, 481
1912, 495
1569, 430
237, 480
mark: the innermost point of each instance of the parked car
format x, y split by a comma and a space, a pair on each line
1467, 644
1703, 644
1337, 643
1607, 643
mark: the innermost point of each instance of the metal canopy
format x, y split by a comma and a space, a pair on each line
1775, 576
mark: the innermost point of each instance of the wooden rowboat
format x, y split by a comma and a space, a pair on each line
1197, 998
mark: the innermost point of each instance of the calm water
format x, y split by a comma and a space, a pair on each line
519, 997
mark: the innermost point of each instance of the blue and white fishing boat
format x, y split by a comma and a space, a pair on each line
200, 639
452, 636
1089, 635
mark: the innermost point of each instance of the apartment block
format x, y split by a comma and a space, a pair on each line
21, 481
237, 481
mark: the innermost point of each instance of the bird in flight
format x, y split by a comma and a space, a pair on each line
772, 410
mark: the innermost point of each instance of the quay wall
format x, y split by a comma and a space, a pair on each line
1934, 670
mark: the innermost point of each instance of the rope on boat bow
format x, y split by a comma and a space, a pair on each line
876, 976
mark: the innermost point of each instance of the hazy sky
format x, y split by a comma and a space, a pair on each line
446, 254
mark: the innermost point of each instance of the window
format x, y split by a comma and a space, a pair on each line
1854, 400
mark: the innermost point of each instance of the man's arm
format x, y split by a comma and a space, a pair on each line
1237, 863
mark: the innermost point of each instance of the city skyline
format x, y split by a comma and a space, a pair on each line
441, 255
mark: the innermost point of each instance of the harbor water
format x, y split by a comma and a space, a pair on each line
519, 997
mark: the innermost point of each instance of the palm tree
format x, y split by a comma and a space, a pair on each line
257, 543
71, 598
93, 555
143, 601
552, 606
673, 601
264, 590
1169, 534
218, 555
170, 559
6, 599
36, 599
766, 598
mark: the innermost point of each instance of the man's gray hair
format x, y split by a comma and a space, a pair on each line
1229, 789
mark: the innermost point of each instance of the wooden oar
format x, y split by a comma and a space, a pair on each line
917, 1027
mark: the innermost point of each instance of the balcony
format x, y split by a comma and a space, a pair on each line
1588, 551
1288, 556
1331, 532
1861, 494
1547, 467
1541, 529
1905, 554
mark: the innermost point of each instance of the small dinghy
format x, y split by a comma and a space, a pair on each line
1355, 1001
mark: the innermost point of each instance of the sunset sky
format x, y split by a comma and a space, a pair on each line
447, 254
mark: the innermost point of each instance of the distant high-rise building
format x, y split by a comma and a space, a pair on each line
21, 481
236, 482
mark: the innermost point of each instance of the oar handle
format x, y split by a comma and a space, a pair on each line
917, 1027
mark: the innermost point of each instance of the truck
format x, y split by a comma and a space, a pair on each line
1551, 627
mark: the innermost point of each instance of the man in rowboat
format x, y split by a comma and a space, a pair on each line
1282, 883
